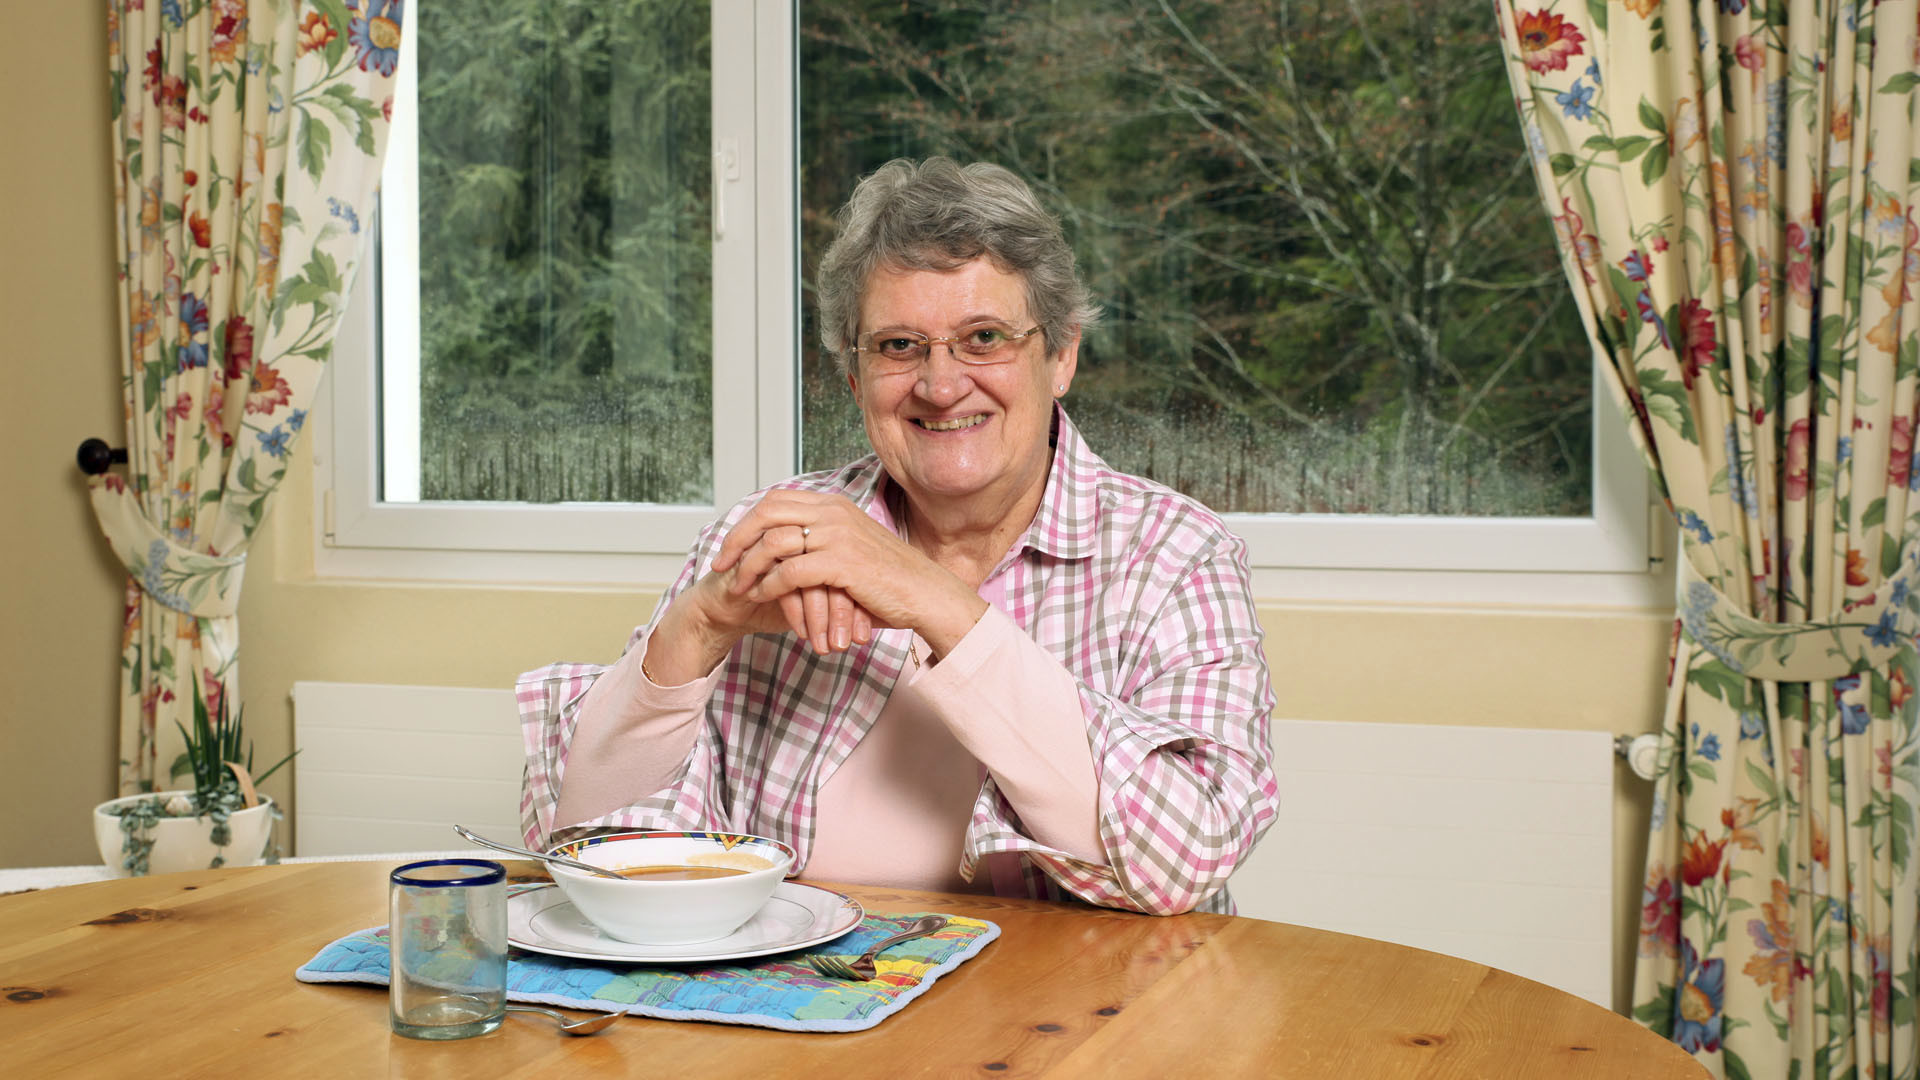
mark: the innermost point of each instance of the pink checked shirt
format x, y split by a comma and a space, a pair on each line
1137, 591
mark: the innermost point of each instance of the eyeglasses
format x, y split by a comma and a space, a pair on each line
902, 350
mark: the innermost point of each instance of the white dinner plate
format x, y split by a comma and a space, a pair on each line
794, 917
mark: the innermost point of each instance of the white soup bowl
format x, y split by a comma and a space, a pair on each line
648, 911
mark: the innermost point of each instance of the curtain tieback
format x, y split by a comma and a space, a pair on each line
1867, 633
192, 583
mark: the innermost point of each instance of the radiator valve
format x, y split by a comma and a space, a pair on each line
1641, 752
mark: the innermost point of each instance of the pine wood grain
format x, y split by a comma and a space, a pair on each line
192, 975
1310, 1003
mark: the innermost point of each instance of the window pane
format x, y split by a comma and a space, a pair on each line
565, 265
1329, 284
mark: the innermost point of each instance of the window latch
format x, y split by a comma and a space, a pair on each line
726, 169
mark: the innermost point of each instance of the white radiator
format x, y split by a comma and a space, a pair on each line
394, 768
1492, 844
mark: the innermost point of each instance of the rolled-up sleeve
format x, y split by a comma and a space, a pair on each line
551, 701
549, 704
1180, 742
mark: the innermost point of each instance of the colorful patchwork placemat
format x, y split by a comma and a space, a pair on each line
779, 991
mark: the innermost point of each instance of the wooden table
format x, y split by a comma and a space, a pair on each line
192, 975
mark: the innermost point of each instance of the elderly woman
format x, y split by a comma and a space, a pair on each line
976, 659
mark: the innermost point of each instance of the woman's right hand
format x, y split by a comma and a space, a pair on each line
705, 622
826, 616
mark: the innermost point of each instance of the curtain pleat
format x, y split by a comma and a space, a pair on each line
1732, 183
248, 137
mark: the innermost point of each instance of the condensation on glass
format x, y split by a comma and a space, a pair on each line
1328, 282
565, 276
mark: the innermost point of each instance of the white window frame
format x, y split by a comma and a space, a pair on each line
1607, 558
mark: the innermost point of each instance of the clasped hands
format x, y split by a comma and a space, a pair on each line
816, 565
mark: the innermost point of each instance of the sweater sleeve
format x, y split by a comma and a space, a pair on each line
631, 738
1179, 745
1017, 710
580, 738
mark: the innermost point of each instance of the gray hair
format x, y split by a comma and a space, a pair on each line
937, 215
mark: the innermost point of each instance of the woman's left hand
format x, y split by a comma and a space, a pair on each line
824, 546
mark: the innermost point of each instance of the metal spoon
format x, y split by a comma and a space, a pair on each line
557, 860
584, 1026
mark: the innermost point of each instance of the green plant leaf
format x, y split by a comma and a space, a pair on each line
361, 112
1631, 146
1899, 839
1900, 1009
1667, 399
271, 769
315, 145
1651, 118
1654, 165
335, 12
151, 377
1657, 1012
1717, 680
1876, 513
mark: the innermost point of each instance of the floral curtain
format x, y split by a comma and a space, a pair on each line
1733, 185
248, 136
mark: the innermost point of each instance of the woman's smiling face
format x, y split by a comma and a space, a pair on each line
954, 434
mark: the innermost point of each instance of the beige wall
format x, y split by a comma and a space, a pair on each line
59, 631
1598, 669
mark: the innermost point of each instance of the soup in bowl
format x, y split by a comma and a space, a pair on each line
681, 888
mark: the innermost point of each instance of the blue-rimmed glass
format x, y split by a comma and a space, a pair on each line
448, 939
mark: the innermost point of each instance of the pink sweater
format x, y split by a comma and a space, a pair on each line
896, 810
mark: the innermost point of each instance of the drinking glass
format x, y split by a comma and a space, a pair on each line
448, 935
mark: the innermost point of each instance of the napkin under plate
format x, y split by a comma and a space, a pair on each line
780, 991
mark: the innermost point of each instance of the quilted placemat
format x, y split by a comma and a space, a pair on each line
780, 991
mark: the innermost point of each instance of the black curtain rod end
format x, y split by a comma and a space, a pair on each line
96, 456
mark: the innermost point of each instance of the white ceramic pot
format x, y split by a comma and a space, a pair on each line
185, 843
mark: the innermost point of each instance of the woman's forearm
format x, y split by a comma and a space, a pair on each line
684, 644
1017, 711
631, 739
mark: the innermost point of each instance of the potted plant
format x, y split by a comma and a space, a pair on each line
222, 821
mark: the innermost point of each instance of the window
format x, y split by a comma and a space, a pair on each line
1334, 307
543, 368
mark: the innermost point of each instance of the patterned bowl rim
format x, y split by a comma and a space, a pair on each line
727, 841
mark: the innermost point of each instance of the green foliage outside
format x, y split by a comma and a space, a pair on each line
565, 279
1328, 279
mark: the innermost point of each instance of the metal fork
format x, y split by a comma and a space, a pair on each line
862, 968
